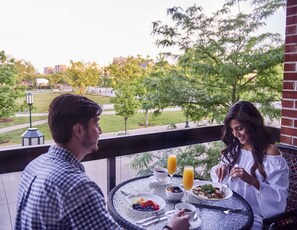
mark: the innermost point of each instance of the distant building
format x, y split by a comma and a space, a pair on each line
60, 68
57, 69
48, 70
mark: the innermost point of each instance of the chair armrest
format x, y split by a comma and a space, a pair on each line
285, 220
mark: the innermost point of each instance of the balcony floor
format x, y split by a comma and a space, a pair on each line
96, 170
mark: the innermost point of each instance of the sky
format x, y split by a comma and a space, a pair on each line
52, 32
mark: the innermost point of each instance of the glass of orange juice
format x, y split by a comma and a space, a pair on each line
188, 179
171, 165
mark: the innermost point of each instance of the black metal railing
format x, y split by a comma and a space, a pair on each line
16, 159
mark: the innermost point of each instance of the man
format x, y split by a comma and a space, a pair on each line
55, 192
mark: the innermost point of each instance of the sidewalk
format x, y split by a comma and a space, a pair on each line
16, 127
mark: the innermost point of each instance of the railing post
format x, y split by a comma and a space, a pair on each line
111, 173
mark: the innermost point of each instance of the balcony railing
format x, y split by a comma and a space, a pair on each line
14, 160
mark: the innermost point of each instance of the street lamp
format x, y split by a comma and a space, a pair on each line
32, 136
29, 100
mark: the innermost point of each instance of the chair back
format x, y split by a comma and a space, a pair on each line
290, 154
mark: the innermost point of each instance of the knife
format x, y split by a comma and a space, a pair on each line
154, 217
218, 207
155, 220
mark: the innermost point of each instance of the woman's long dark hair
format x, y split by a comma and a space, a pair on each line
250, 118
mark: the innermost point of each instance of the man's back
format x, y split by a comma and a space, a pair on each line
54, 193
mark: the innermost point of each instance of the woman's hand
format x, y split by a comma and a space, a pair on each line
238, 172
221, 172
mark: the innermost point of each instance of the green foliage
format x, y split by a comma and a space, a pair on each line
3, 140
81, 75
25, 71
56, 79
127, 70
201, 157
145, 87
125, 102
262, 8
10, 91
145, 163
223, 61
126, 74
171, 126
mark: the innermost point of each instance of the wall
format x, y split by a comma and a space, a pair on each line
289, 101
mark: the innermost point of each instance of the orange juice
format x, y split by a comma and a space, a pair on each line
171, 164
188, 177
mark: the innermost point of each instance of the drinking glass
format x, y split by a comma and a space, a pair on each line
188, 179
171, 165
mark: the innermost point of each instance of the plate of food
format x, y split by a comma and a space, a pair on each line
209, 190
145, 203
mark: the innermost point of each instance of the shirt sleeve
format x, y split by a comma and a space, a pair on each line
86, 208
272, 196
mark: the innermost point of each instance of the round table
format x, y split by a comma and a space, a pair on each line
211, 212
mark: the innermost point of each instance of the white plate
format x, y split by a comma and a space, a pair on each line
147, 196
228, 192
154, 182
195, 223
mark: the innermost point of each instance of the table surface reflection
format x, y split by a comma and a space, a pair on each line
211, 217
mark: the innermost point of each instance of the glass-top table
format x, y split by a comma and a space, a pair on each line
211, 212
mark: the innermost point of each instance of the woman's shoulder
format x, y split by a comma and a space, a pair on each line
272, 150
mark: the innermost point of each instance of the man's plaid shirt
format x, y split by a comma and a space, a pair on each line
55, 193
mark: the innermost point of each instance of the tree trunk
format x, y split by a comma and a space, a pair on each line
126, 119
146, 118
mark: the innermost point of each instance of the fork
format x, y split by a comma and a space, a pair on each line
226, 184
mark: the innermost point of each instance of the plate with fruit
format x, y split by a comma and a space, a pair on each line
145, 203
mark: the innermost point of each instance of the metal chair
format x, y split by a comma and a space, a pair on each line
288, 219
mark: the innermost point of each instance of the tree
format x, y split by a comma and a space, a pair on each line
80, 75
105, 78
129, 69
125, 102
25, 71
56, 79
127, 74
10, 91
262, 8
223, 61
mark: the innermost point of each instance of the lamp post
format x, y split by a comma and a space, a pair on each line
32, 136
29, 100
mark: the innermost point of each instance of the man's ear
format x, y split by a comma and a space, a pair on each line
78, 130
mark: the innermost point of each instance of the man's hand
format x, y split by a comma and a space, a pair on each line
179, 221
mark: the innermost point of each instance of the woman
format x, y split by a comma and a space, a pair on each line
259, 172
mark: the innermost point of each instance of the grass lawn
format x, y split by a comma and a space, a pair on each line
18, 121
108, 123
42, 100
